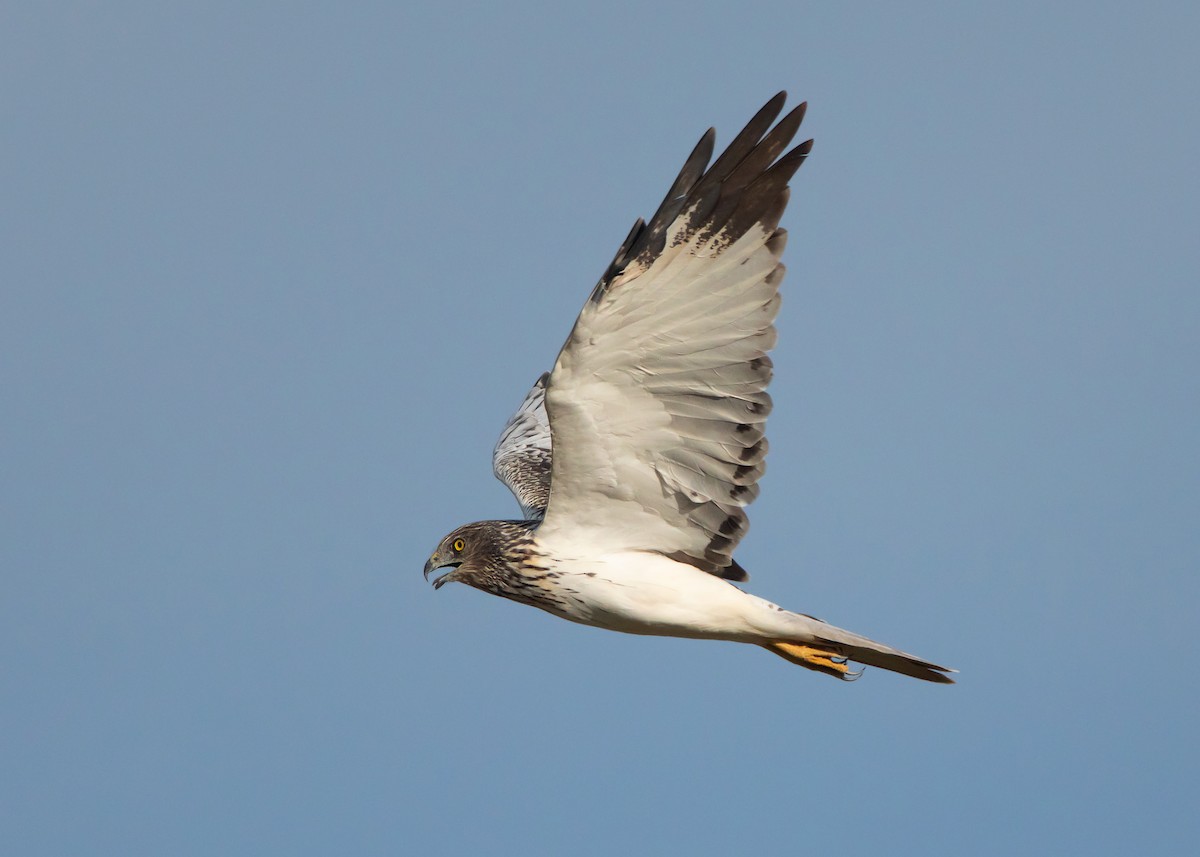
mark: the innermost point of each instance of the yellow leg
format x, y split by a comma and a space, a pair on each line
828, 661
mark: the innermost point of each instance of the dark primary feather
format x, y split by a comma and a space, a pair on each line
749, 155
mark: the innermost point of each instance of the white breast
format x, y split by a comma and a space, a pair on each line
645, 593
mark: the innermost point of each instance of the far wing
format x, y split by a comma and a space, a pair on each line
658, 400
521, 459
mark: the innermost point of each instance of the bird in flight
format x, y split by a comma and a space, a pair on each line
635, 457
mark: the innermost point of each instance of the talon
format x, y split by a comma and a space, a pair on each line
822, 660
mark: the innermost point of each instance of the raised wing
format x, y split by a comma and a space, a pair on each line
521, 459
658, 400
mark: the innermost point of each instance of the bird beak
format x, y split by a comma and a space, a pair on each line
435, 562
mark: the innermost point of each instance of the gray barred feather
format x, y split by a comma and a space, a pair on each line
521, 459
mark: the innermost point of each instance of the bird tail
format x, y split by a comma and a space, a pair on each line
830, 650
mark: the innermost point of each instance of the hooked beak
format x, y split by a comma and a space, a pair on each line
435, 562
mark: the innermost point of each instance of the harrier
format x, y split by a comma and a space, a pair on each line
634, 459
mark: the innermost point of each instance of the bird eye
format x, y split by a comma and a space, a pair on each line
459, 544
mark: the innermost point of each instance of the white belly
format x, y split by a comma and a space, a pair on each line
642, 593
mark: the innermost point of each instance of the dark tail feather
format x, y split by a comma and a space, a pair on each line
830, 657
898, 662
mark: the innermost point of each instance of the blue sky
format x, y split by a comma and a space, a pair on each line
274, 276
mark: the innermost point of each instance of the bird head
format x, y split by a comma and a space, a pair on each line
477, 553
454, 552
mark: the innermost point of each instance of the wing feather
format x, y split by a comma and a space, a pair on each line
521, 459
658, 401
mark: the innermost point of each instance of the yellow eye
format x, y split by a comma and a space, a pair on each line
459, 544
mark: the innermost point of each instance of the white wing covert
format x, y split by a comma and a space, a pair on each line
521, 459
657, 402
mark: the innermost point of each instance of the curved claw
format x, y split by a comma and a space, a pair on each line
828, 661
